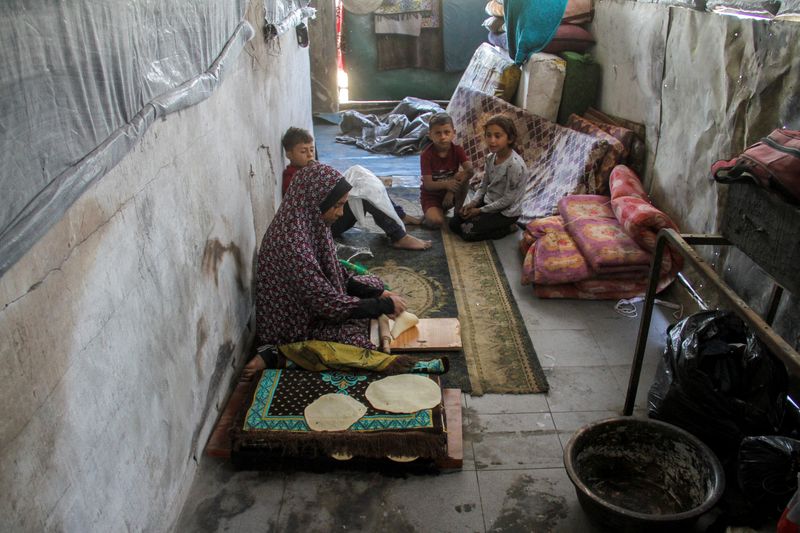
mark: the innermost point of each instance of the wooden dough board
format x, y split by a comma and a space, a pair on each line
429, 335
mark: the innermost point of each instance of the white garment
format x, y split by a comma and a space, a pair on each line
367, 186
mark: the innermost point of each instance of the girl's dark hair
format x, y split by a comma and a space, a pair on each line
439, 119
505, 124
295, 136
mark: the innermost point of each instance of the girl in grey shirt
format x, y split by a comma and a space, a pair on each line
493, 211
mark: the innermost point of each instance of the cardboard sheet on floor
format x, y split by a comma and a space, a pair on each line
429, 335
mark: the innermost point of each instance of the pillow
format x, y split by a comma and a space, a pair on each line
499, 39
495, 24
578, 12
570, 38
495, 9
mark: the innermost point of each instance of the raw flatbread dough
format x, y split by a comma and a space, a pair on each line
404, 393
333, 412
404, 322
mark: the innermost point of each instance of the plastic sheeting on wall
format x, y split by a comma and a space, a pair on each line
80, 82
282, 16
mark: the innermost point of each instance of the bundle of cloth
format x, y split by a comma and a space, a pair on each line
598, 247
533, 24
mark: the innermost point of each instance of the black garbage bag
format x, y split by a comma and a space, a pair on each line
767, 472
719, 382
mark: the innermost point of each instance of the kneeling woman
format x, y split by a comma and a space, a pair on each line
302, 291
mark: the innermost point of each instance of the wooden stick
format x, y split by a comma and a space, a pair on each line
385, 335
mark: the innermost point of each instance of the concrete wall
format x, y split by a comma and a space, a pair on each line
706, 86
121, 328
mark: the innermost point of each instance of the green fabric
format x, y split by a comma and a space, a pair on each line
581, 83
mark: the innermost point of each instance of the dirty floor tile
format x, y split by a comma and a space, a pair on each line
568, 423
514, 441
540, 501
223, 499
507, 403
583, 388
374, 502
568, 347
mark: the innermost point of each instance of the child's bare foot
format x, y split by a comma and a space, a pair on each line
412, 221
409, 242
252, 368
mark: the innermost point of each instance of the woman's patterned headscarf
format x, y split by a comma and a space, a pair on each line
298, 276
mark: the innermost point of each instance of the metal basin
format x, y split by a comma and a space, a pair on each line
642, 475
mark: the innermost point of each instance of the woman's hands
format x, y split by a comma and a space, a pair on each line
398, 301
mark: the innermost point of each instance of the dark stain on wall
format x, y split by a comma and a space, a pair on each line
224, 358
213, 255
201, 336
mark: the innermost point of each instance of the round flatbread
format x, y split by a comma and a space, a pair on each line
361, 7
333, 412
341, 456
403, 458
404, 393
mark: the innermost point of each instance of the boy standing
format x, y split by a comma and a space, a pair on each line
298, 144
445, 169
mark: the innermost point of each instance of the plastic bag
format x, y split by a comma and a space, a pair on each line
768, 469
791, 516
719, 382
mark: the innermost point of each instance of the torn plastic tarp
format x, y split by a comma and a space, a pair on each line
404, 130
81, 82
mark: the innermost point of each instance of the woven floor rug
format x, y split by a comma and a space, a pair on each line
457, 278
273, 421
423, 278
499, 353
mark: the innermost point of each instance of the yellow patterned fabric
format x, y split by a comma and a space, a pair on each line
322, 355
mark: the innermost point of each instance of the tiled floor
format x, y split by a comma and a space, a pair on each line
513, 477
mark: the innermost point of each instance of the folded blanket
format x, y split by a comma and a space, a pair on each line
593, 290
599, 235
642, 221
599, 248
554, 258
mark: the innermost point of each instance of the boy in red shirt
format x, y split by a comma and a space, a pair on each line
445, 170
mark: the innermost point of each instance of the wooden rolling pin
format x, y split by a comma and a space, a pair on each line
384, 332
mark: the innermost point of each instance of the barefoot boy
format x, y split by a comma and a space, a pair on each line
445, 169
